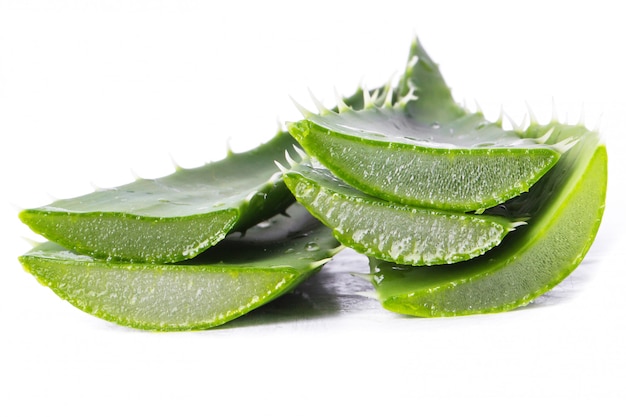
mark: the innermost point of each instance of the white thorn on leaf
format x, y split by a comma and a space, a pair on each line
517, 224
277, 176
97, 187
581, 119
388, 96
281, 167
250, 196
15, 207
518, 128
479, 110
321, 109
544, 138
317, 264
367, 99
404, 100
305, 112
32, 242
280, 125
135, 175
598, 124
565, 144
500, 119
176, 165
531, 115
555, 115
229, 148
289, 159
51, 197
300, 152
375, 96
341, 105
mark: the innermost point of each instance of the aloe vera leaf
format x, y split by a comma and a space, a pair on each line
425, 151
174, 217
565, 208
236, 276
390, 231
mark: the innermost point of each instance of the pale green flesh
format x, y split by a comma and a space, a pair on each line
390, 231
566, 208
427, 152
459, 179
171, 218
236, 276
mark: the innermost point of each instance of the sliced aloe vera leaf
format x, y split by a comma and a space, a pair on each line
565, 208
425, 151
174, 217
232, 278
390, 231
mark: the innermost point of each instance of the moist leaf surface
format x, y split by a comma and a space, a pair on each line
565, 210
171, 218
420, 148
237, 275
391, 231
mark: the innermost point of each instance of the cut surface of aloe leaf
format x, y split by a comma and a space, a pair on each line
171, 218
391, 231
420, 148
236, 276
565, 209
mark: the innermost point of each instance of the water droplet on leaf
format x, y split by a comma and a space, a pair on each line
311, 247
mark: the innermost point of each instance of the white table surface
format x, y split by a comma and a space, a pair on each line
92, 92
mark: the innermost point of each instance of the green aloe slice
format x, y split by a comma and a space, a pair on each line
391, 231
232, 278
420, 148
174, 217
565, 209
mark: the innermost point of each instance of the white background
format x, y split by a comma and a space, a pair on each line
96, 92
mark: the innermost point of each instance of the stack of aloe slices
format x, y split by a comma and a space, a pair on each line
162, 254
456, 214
234, 277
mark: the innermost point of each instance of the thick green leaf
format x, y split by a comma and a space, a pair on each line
232, 278
565, 210
424, 149
171, 218
392, 231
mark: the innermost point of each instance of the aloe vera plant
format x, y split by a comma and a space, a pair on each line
427, 151
172, 218
234, 277
420, 148
565, 210
425, 188
391, 231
